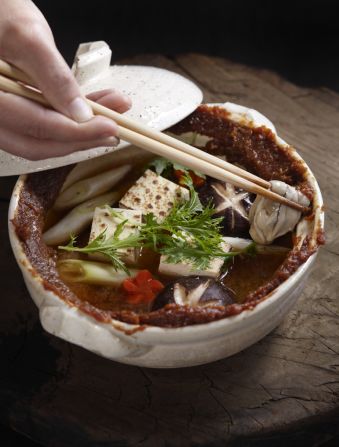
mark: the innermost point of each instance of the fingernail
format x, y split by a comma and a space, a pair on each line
106, 134
80, 111
127, 100
111, 141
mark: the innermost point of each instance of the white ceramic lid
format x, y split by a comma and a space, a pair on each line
160, 99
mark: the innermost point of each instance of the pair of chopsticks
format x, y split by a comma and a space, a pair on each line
153, 141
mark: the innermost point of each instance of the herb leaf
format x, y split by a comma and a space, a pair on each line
107, 246
160, 165
189, 233
164, 167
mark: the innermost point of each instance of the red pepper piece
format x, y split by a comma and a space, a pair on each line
142, 288
196, 179
143, 277
129, 286
157, 285
179, 175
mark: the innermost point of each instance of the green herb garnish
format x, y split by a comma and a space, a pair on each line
189, 233
164, 167
107, 246
251, 249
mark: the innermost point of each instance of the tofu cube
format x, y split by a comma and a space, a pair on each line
187, 269
153, 194
106, 218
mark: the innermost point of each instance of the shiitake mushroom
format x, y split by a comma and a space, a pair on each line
231, 203
194, 291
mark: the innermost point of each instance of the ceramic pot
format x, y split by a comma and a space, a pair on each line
172, 347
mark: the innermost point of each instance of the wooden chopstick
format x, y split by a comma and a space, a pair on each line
155, 146
16, 74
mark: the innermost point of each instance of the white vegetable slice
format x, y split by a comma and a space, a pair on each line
92, 167
91, 187
77, 219
238, 244
89, 272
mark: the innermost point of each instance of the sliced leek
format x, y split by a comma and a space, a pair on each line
77, 219
89, 272
92, 167
91, 187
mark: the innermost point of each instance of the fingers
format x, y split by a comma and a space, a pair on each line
53, 77
40, 59
34, 149
28, 118
112, 99
30, 46
27, 129
34, 132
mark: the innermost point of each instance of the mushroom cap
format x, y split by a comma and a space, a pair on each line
231, 203
194, 291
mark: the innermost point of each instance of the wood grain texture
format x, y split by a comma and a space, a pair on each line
284, 389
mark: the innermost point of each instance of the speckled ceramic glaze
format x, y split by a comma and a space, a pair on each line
175, 347
160, 99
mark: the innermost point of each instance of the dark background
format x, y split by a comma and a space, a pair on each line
298, 39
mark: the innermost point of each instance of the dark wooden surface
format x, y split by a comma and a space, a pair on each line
283, 390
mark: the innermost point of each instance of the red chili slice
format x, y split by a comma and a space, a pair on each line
143, 277
157, 285
142, 288
196, 179
129, 286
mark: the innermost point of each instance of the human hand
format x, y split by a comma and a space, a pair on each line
28, 129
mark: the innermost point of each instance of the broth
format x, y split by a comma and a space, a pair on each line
105, 298
243, 275
247, 273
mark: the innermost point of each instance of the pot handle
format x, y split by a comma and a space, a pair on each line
70, 325
91, 61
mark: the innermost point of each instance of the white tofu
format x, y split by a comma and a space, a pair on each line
153, 194
187, 269
104, 219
